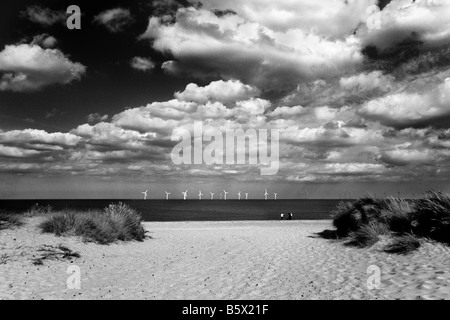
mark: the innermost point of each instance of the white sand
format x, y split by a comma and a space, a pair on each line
220, 260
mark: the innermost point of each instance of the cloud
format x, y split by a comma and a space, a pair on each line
33, 136
317, 144
206, 45
53, 113
14, 152
141, 119
142, 64
350, 89
405, 20
367, 105
339, 172
342, 17
166, 8
43, 16
406, 154
27, 67
222, 91
287, 112
330, 135
44, 40
365, 82
108, 134
251, 107
325, 113
96, 117
115, 20
411, 109
353, 168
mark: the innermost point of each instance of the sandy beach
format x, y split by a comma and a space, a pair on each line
219, 260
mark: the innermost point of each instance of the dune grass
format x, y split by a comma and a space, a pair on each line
38, 210
403, 244
367, 235
9, 220
118, 222
405, 221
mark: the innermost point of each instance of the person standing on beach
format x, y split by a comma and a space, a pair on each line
282, 216
290, 215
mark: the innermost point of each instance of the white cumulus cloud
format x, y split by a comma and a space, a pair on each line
27, 67
206, 45
221, 91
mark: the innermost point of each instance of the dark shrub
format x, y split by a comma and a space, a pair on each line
364, 220
403, 244
345, 219
432, 217
367, 235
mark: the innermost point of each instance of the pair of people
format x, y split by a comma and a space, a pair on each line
289, 216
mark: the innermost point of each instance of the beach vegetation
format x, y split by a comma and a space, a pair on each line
367, 235
361, 223
117, 222
60, 252
9, 220
38, 210
403, 244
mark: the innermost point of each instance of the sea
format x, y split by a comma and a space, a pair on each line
194, 210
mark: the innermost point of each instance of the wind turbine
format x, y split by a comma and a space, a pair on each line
246, 196
225, 195
266, 194
212, 195
239, 195
167, 195
184, 194
275, 195
200, 194
145, 194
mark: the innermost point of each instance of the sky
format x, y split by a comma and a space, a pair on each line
358, 89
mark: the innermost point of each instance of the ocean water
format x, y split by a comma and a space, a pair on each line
195, 210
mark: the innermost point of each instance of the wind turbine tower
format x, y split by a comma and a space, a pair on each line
145, 193
239, 195
200, 194
266, 194
212, 195
225, 195
184, 194
167, 195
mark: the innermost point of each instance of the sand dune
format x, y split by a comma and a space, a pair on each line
220, 260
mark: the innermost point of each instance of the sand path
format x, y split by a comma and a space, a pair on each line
220, 260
